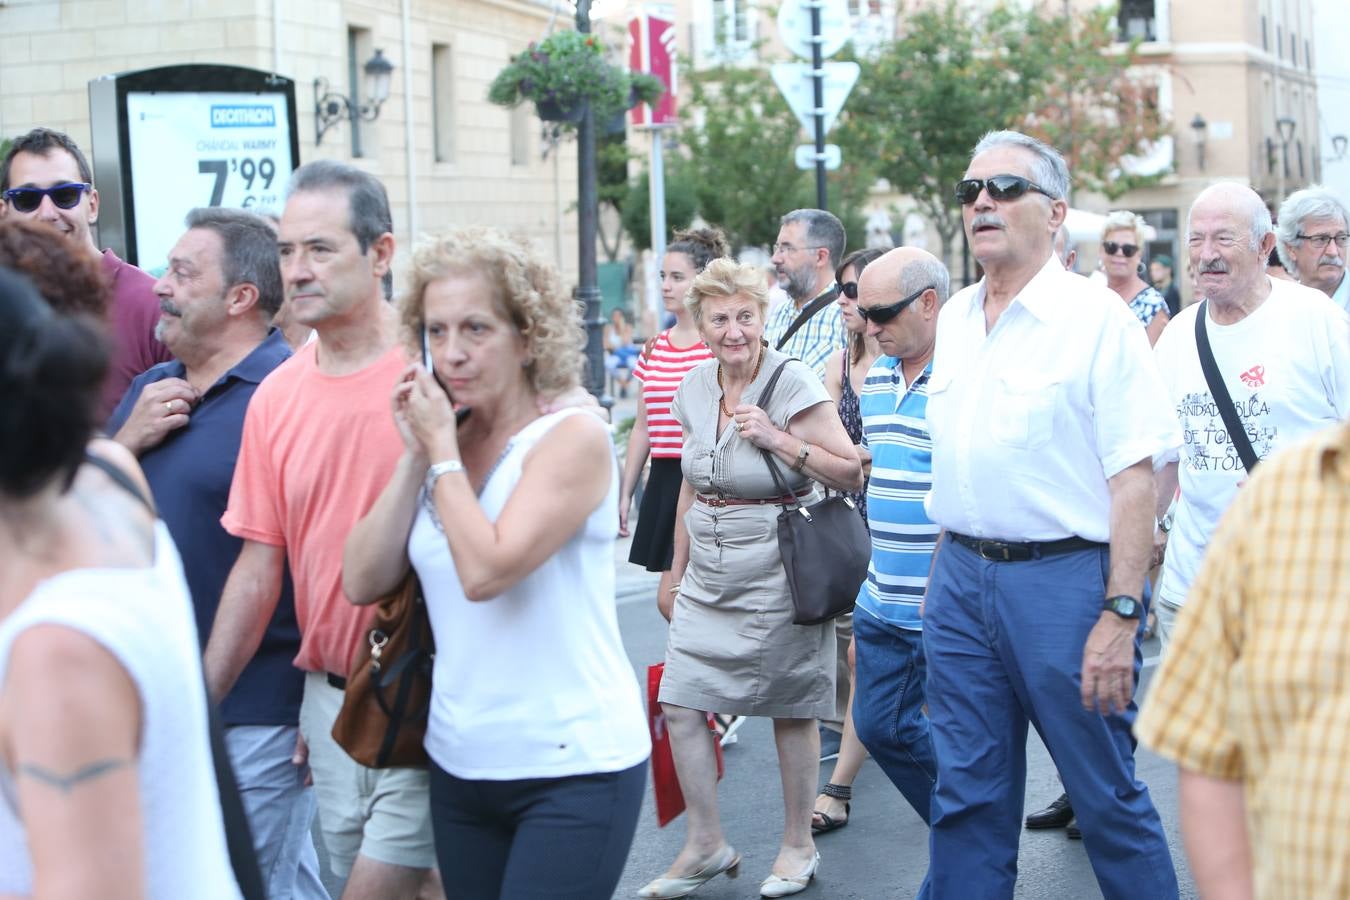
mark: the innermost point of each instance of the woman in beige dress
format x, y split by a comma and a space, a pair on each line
732, 644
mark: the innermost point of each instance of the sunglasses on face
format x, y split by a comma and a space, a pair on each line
1125, 250
65, 196
1000, 187
849, 289
880, 315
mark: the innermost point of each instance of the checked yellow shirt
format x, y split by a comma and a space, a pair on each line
1255, 685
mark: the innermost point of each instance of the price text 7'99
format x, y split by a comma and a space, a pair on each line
264, 170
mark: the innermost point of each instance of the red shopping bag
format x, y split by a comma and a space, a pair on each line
669, 797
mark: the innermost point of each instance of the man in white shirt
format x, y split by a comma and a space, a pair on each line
1046, 413
1283, 350
1312, 238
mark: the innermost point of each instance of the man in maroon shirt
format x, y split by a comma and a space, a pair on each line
44, 176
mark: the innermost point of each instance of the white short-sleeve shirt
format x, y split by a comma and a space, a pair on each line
1030, 420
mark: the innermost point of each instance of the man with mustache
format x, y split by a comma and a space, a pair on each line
1045, 412
1313, 235
45, 177
184, 421
1283, 352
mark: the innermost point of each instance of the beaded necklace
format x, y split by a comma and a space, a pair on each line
722, 400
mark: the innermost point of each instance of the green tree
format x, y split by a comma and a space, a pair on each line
681, 203
925, 100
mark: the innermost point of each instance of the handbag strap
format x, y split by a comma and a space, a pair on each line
775, 472
1219, 391
807, 312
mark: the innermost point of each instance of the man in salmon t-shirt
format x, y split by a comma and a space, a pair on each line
319, 445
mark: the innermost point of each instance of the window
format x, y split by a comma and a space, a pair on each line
359, 49
1138, 19
731, 22
1279, 41
1265, 38
520, 135
1307, 54
1293, 48
442, 103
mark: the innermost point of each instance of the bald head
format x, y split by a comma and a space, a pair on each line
1229, 237
1239, 201
906, 275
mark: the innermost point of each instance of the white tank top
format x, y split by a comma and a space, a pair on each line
533, 683
143, 617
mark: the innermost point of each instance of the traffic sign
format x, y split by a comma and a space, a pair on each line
806, 156
794, 81
794, 26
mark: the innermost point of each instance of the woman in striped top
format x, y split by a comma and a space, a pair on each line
663, 363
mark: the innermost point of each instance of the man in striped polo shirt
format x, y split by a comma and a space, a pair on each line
899, 295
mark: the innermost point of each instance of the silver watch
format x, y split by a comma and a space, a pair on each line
436, 470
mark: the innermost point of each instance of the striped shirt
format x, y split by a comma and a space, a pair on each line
813, 343
660, 374
1255, 685
895, 430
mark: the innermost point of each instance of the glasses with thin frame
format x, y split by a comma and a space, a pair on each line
789, 248
1320, 241
65, 196
880, 315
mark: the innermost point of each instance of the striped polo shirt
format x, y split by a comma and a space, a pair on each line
895, 430
660, 374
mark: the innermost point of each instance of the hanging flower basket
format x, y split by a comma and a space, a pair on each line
564, 72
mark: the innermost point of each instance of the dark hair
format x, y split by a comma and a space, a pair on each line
51, 376
70, 280
859, 260
823, 229
40, 142
701, 245
368, 204
250, 255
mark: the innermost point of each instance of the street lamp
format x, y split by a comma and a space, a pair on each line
1200, 130
330, 107
1338, 146
1285, 126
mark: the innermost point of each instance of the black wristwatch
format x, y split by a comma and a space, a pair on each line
1124, 605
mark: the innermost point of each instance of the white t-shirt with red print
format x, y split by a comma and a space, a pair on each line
660, 374
1287, 369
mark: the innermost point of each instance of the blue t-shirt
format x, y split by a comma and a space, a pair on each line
190, 474
895, 430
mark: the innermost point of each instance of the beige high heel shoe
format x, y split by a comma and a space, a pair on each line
778, 886
726, 860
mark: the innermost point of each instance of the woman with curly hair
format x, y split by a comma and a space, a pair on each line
536, 732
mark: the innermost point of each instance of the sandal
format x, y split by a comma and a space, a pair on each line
828, 822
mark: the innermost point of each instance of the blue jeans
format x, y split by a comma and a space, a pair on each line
279, 808
888, 699
1005, 642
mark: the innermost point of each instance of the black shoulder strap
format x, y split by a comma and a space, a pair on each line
121, 478
807, 312
1219, 391
779, 481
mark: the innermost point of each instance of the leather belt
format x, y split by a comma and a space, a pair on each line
718, 502
1010, 551
336, 681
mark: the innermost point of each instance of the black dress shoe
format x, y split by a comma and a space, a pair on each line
1071, 831
1056, 815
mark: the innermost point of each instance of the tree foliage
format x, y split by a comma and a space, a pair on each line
924, 101
681, 203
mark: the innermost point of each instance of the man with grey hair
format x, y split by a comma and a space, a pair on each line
1065, 249
184, 420
1283, 351
809, 247
319, 445
899, 296
1313, 233
1046, 413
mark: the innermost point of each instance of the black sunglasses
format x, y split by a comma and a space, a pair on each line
65, 196
880, 315
849, 289
1000, 187
1125, 250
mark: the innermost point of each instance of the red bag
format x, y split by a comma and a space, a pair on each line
669, 797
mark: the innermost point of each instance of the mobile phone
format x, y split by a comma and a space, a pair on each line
462, 412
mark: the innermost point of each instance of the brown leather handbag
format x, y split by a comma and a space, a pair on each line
384, 708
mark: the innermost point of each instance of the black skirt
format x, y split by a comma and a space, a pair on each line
654, 535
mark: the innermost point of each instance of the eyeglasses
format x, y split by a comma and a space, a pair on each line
1320, 241
880, 315
1000, 187
65, 196
849, 289
1125, 250
788, 248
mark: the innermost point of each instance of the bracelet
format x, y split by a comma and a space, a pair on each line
675, 588
802, 453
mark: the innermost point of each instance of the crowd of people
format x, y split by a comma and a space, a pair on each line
221, 473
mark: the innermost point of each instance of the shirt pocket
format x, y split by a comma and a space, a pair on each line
1022, 414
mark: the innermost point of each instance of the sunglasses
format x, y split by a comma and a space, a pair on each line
1000, 187
880, 315
1125, 250
849, 289
65, 196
